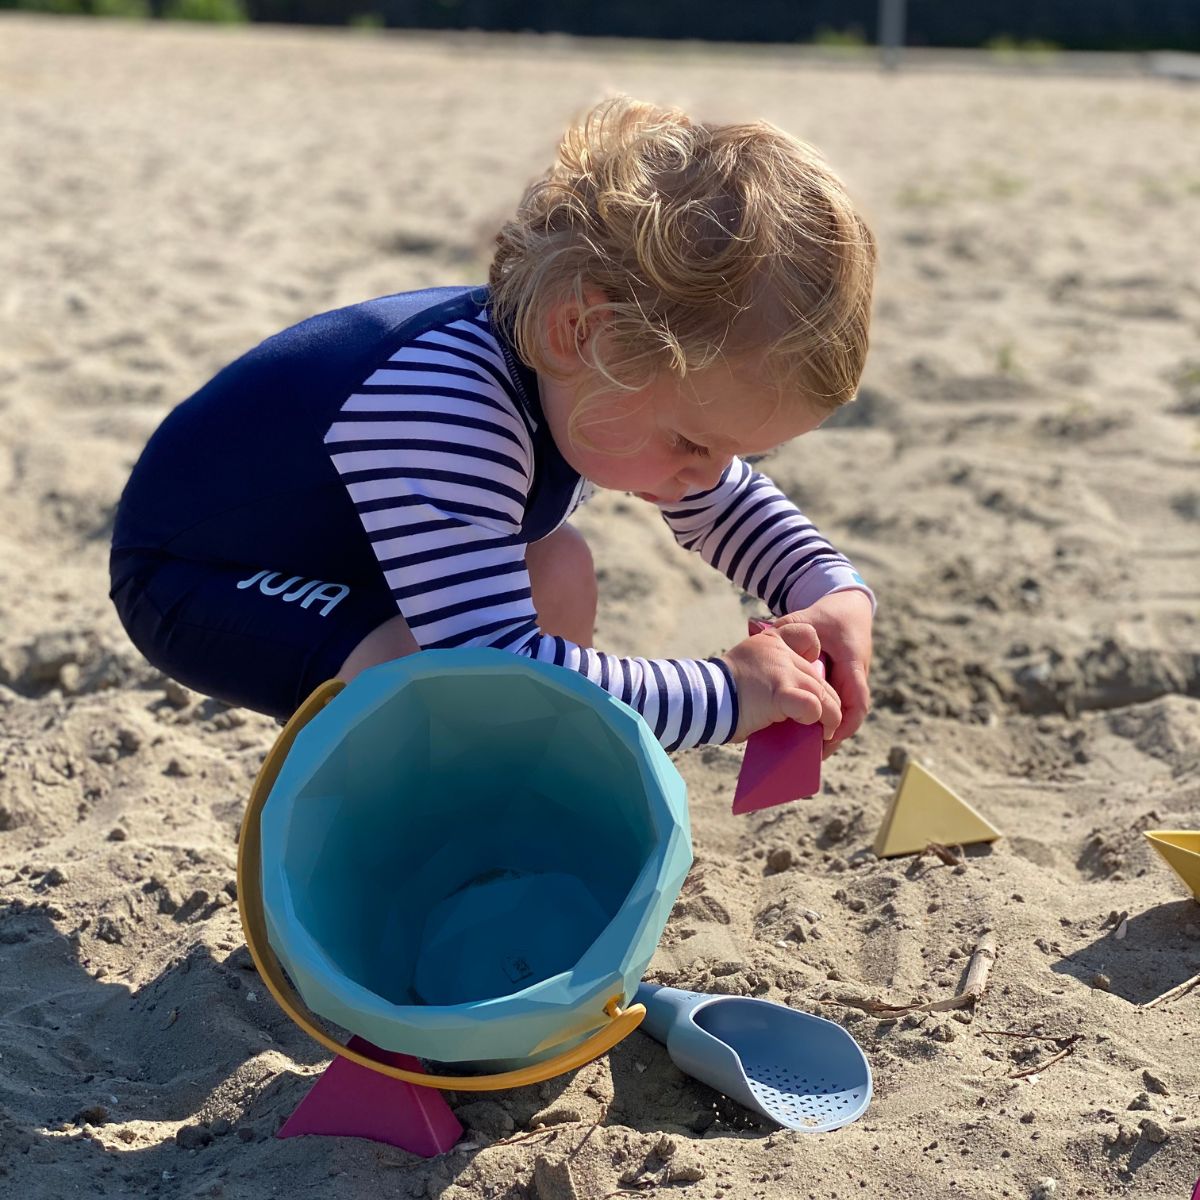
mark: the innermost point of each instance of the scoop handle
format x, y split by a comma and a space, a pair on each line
665, 1007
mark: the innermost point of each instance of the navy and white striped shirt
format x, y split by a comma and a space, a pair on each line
449, 463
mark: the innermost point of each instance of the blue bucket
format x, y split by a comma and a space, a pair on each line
467, 857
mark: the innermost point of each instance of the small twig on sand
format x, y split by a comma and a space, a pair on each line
978, 971
551, 1134
1068, 1045
877, 1008
1060, 1042
1041, 1037
951, 856
1181, 989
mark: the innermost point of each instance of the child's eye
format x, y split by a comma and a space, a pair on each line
690, 447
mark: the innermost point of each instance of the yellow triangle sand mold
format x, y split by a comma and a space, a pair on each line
925, 810
1180, 849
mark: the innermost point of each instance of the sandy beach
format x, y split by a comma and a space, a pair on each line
1018, 481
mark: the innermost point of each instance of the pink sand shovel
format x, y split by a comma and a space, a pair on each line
782, 761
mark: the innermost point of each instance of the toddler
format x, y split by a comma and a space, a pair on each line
670, 299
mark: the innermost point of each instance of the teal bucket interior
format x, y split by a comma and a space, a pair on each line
465, 855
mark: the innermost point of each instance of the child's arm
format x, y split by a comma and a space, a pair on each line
751, 532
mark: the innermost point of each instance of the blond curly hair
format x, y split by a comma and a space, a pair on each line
705, 240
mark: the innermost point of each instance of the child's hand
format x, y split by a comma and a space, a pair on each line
842, 621
776, 680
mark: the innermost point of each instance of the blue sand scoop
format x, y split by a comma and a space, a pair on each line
801, 1071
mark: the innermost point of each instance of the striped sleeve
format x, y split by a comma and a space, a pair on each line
436, 456
751, 532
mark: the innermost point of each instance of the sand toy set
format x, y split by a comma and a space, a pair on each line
466, 860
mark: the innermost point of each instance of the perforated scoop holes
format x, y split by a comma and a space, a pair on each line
801, 1101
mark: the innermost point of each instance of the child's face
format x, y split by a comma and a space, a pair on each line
676, 437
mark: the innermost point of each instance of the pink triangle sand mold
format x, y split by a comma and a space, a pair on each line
782, 762
350, 1100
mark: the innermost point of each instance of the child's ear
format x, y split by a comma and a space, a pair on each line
562, 335
570, 327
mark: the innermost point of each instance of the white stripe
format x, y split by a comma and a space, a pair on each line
436, 358
514, 614
591, 665
674, 702
695, 673
723, 730
366, 490
488, 472
399, 401
487, 532
433, 431
491, 352
488, 609
471, 555
646, 676
476, 383
398, 518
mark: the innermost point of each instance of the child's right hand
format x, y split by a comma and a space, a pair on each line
777, 679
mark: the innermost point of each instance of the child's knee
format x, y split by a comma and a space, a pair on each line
577, 562
564, 560
563, 577
393, 639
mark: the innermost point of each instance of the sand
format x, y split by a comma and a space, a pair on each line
1018, 480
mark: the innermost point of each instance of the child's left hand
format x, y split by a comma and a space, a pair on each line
843, 623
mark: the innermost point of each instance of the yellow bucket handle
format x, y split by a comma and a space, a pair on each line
249, 881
